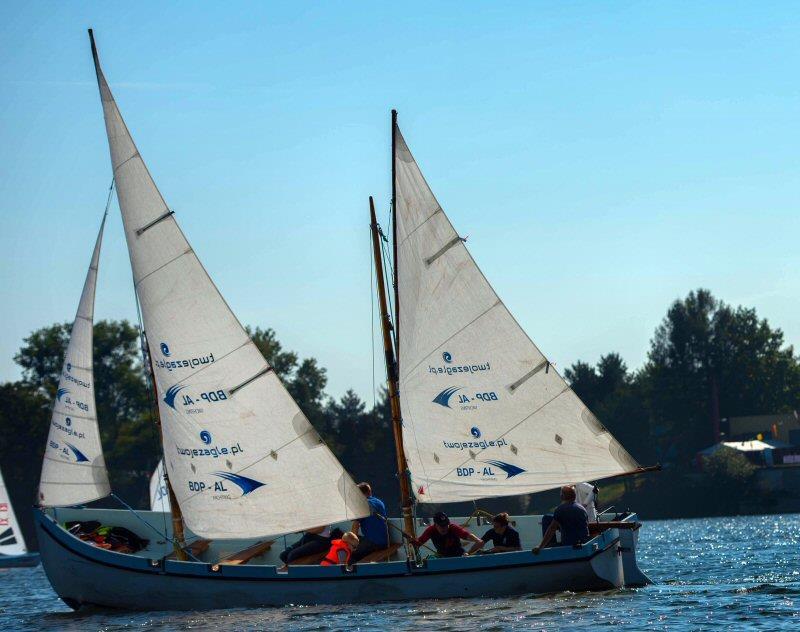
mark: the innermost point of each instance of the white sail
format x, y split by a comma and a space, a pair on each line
484, 413
159, 494
242, 458
74, 470
11, 542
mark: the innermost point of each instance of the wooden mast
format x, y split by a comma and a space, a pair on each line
392, 381
394, 234
178, 537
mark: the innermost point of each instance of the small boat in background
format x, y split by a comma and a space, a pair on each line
13, 552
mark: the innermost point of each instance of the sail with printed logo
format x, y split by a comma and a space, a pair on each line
242, 458
74, 469
484, 412
159, 493
11, 542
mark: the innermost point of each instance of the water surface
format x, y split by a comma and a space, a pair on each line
735, 573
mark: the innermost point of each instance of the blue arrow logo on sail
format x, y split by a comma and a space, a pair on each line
169, 396
247, 484
443, 398
61, 392
510, 470
80, 457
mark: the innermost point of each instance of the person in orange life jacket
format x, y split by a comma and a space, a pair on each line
373, 529
316, 540
341, 550
502, 535
570, 518
446, 536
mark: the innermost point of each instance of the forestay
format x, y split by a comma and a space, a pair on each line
484, 413
242, 458
73, 469
159, 494
11, 542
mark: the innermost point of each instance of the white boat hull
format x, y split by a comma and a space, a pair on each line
85, 575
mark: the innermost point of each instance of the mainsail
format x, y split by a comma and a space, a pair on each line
74, 470
484, 412
242, 458
159, 494
11, 542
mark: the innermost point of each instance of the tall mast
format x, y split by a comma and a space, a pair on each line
394, 234
175, 510
392, 380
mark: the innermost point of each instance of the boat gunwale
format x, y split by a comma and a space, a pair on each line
203, 570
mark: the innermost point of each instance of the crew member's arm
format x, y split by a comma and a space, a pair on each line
463, 534
355, 526
548, 535
426, 535
476, 547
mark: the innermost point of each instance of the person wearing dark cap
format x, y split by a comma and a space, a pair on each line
446, 536
502, 535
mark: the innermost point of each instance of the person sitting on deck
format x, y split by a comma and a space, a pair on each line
502, 535
341, 551
446, 536
374, 530
317, 540
570, 518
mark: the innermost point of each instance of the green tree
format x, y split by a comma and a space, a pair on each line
709, 360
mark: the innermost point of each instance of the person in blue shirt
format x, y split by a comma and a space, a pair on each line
373, 529
570, 518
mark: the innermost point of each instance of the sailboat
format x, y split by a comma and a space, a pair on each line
159, 492
477, 412
13, 552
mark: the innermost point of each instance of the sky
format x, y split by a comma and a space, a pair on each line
604, 158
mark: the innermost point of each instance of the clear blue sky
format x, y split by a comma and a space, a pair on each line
604, 158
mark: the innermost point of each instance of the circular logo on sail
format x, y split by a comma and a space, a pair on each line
447, 357
68, 421
205, 437
475, 432
69, 366
165, 349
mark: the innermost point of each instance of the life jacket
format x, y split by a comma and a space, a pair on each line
332, 556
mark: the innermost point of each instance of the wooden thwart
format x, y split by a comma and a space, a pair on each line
380, 556
245, 555
196, 548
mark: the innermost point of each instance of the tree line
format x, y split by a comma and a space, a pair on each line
707, 360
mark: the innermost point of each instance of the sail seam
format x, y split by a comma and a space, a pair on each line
478, 317
422, 223
120, 165
250, 380
58, 412
154, 222
513, 387
99, 466
455, 240
82, 368
162, 266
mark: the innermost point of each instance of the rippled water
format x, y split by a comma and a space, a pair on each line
736, 573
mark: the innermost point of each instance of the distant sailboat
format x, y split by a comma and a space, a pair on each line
13, 552
477, 411
159, 492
